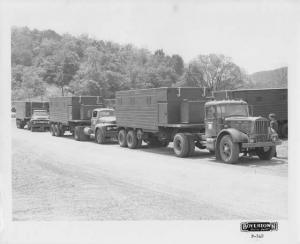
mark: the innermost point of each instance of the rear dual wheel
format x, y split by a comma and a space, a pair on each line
132, 140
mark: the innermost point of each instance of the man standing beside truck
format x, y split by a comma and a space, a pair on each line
273, 122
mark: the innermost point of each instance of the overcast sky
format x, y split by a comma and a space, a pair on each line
255, 34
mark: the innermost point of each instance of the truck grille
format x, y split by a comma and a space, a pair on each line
261, 127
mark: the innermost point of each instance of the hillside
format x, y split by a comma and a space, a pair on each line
277, 78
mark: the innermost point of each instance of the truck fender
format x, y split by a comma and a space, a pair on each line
100, 127
236, 135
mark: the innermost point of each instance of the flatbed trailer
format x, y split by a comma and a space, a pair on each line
262, 102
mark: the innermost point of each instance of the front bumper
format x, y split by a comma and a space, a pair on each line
261, 144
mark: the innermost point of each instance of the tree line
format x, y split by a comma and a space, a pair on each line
46, 64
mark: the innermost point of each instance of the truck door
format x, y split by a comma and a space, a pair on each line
94, 119
210, 121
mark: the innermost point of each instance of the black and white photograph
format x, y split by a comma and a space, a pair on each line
149, 121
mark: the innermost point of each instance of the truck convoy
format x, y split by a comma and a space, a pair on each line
263, 102
33, 114
188, 117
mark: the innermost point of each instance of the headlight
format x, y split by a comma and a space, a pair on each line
251, 140
274, 138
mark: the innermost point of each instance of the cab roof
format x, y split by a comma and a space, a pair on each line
218, 102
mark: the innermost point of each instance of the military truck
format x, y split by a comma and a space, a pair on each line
187, 117
24, 112
103, 127
67, 113
262, 102
39, 120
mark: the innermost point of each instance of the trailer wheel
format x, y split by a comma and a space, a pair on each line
56, 130
21, 125
181, 145
122, 138
132, 140
228, 150
100, 137
52, 130
266, 154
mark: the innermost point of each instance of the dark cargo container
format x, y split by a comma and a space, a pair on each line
68, 112
263, 102
150, 109
24, 111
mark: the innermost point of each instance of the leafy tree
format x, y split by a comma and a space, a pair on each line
214, 71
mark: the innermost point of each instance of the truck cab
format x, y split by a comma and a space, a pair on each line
39, 120
103, 125
230, 130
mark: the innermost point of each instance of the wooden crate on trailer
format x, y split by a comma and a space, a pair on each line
65, 109
24, 109
150, 108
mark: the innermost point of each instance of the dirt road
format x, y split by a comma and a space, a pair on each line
63, 179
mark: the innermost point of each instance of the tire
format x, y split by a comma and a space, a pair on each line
181, 145
21, 125
122, 138
79, 134
284, 130
28, 126
51, 129
17, 124
191, 145
132, 140
266, 155
56, 130
100, 136
228, 150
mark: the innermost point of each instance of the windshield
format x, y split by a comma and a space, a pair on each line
229, 110
40, 113
106, 113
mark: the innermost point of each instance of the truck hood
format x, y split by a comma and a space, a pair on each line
108, 119
248, 124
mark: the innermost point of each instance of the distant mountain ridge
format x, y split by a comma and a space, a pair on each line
276, 78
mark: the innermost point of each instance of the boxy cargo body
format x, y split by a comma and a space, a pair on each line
24, 111
152, 109
262, 102
68, 112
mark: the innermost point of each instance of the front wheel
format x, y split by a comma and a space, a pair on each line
266, 153
228, 150
181, 145
100, 137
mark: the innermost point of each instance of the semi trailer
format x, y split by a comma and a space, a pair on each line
67, 113
32, 114
188, 118
263, 102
